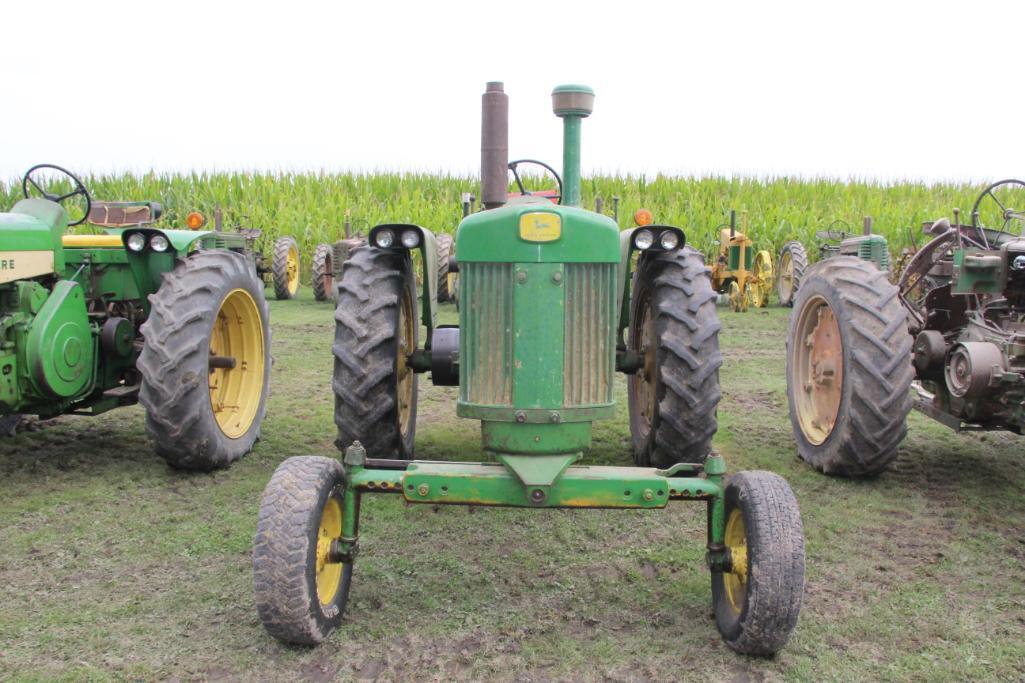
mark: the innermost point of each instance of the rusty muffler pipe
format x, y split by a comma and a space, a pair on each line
494, 146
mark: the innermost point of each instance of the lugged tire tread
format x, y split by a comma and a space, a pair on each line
799, 257
687, 328
367, 307
178, 328
281, 548
279, 267
873, 421
323, 273
776, 566
444, 252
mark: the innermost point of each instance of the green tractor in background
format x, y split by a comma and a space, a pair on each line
839, 239
554, 300
173, 319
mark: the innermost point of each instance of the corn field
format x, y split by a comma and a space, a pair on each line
313, 206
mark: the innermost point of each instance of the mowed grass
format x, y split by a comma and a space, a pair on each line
114, 566
313, 207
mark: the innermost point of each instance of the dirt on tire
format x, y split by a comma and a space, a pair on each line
285, 551
323, 273
875, 396
677, 287
367, 337
774, 588
175, 361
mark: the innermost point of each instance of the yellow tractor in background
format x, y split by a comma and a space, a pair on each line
740, 272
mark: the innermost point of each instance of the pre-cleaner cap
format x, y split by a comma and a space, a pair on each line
572, 100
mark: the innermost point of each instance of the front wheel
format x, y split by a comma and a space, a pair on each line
758, 597
205, 363
445, 249
848, 368
301, 587
673, 396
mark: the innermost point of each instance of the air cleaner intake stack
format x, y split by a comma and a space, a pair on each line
494, 146
571, 103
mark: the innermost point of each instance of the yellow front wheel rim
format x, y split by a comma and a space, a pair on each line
735, 580
786, 276
329, 573
292, 269
236, 373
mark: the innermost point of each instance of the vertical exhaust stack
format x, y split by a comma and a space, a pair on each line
494, 146
571, 103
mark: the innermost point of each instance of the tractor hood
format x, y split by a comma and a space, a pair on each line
33, 229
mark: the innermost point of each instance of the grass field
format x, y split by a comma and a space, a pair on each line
114, 566
313, 206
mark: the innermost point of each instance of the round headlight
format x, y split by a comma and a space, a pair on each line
643, 239
159, 243
384, 238
410, 238
669, 240
136, 241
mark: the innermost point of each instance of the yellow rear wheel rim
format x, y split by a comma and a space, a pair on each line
404, 373
292, 269
818, 370
237, 335
786, 276
329, 573
761, 282
735, 580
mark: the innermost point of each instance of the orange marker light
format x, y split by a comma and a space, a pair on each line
195, 220
643, 217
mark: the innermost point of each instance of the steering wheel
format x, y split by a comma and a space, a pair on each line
1006, 212
513, 165
79, 189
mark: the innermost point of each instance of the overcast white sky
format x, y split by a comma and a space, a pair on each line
884, 90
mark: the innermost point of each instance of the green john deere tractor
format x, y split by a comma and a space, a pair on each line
554, 300
173, 319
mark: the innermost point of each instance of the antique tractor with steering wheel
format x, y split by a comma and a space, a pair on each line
793, 258
173, 319
554, 301
739, 271
948, 339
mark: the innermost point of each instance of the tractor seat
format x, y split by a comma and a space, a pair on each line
91, 241
123, 214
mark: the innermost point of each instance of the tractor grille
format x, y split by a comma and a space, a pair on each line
487, 358
486, 362
590, 333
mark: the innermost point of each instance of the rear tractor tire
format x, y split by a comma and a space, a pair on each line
285, 268
445, 247
849, 368
793, 261
323, 273
758, 599
205, 364
674, 327
301, 590
376, 328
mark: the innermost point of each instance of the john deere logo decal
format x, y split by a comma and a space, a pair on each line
540, 226
15, 265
